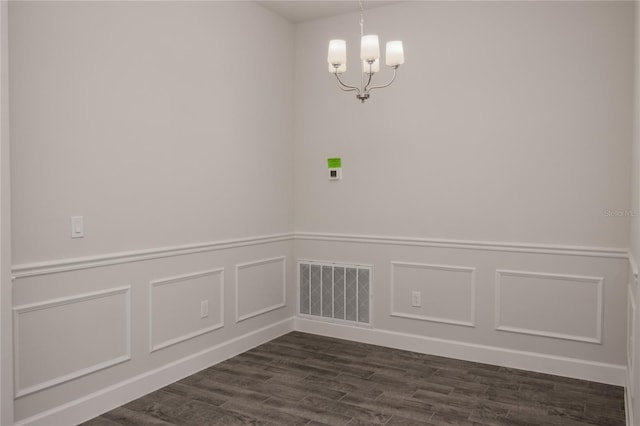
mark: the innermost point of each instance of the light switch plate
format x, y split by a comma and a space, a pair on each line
77, 227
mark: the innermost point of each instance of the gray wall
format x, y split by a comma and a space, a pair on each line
493, 177
633, 318
509, 122
6, 335
168, 126
161, 123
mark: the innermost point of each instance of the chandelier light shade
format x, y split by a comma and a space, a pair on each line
370, 60
369, 48
338, 53
395, 54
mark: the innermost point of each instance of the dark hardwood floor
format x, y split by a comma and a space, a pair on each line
304, 379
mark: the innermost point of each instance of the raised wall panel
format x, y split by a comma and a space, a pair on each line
447, 292
175, 305
63, 339
551, 305
260, 287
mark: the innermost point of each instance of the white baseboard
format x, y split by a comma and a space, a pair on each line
114, 396
541, 363
628, 401
628, 407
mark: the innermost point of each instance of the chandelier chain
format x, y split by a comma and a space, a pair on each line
361, 35
361, 18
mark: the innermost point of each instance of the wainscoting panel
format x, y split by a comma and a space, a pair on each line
557, 309
75, 330
51, 338
95, 379
552, 305
176, 304
260, 287
447, 293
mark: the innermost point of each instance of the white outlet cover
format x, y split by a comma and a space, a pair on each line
415, 299
204, 309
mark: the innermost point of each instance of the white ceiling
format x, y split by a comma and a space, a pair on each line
305, 10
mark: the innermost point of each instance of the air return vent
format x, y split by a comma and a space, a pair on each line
335, 291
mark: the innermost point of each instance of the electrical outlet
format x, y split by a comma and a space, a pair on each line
416, 299
204, 309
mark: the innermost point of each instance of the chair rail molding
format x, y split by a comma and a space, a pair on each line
35, 269
565, 250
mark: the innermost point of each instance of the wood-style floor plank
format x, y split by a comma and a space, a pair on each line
302, 379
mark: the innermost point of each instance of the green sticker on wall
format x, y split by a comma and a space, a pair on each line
334, 163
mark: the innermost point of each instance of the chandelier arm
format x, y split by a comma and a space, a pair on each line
395, 71
346, 87
366, 86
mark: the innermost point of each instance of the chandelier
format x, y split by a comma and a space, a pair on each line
369, 61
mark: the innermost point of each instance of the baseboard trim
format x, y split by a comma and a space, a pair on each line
628, 406
541, 363
89, 406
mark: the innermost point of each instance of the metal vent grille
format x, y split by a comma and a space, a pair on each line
335, 291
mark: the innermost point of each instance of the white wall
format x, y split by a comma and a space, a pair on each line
6, 335
635, 150
168, 126
509, 122
162, 124
125, 113
502, 149
633, 317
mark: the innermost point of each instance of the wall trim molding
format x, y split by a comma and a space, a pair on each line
565, 250
634, 266
47, 304
631, 341
599, 281
175, 280
541, 363
35, 269
628, 406
86, 407
239, 266
472, 295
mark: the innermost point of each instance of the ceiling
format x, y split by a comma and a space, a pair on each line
306, 10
